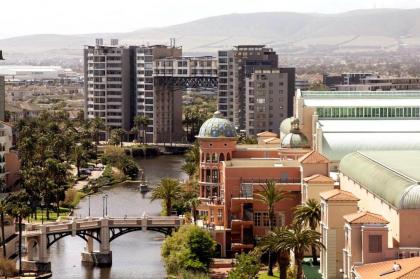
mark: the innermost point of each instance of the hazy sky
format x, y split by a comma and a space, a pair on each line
21, 17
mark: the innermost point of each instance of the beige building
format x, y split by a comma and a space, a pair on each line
334, 205
382, 222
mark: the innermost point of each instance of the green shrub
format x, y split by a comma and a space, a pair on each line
247, 266
190, 248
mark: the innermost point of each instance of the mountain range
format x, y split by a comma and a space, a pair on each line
294, 33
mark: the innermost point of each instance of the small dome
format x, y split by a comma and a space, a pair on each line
217, 127
285, 126
295, 138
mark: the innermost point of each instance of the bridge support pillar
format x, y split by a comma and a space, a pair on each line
103, 257
37, 256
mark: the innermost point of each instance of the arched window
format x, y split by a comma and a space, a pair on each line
214, 158
208, 158
221, 157
228, 157
202, 157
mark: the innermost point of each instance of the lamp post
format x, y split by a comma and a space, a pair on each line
89, 205
105, 205
1, 55
42, 210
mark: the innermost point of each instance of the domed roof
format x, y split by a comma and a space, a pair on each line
217, 127
295, 138
285, 126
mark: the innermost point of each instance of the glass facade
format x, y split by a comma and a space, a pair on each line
368, 112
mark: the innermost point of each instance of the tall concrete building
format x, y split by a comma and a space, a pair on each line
266, 100
125, 81
238, 65
109, 83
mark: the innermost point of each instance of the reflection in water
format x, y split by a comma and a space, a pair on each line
135, 254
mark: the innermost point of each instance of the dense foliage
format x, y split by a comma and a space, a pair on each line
115, 156
247, 267
190, 248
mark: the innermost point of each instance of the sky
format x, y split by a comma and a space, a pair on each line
24, 17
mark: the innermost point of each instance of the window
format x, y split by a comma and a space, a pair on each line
261, 219
375, 243
220, 215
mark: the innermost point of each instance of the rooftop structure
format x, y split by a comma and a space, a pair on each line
338, 123
408, 269
394, 176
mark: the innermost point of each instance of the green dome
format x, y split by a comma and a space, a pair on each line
285, 126
295, 138
217, 127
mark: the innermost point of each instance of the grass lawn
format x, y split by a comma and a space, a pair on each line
263, 274
53, 215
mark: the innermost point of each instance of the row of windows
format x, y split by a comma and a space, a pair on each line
261, 220
368, 112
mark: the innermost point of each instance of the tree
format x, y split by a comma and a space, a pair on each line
273, 242
168, 190
96, 126
80, 157
193, 203
247, 267
58, 175
190, 248
3, 208
141, 122
117, 136
309, 214
270, 196
190, 168
298, 240
19, 209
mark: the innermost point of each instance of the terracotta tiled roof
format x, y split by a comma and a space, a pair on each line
313, 157
365, 217
410, 269
338, 195
267, 134
318, 179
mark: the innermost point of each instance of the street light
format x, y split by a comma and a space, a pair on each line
42, 210
1, 55
89, 206
105, 205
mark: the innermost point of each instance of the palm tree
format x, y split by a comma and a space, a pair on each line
298, 240
270, 196
19, 209
141, 122
193, 204
79, 157
168, 190
309, 214
190, 168
273, 242
96, 125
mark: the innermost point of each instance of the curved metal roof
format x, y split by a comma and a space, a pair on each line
341, 137
394, 176
217, 127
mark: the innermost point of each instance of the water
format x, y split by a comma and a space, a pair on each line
135, 254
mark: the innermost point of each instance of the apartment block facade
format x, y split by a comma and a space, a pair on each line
125, 81
266, 100
235, 71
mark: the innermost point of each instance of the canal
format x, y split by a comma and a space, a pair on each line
135, 254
